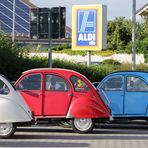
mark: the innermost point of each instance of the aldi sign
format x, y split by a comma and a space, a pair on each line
86, 34
87, 29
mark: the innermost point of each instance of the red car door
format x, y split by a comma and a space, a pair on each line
57, 95
30, 88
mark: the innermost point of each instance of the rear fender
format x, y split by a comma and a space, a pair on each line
12, 112
86, 108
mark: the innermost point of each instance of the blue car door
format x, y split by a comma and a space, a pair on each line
136, 96
111, 88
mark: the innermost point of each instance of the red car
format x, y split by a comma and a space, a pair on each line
62, 94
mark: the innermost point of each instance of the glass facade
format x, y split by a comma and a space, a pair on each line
22, 17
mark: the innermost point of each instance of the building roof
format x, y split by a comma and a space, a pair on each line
143, 11
30, 4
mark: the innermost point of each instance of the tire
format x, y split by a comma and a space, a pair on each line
6, 130
82, 126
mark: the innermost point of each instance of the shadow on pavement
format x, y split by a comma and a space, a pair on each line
68, 134
41, 144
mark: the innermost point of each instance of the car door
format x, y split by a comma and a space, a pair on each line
30, 87
112, 92
136, 96
57, 95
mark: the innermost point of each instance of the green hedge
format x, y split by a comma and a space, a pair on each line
93, 73
98, 71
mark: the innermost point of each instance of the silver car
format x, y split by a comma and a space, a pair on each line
13, 109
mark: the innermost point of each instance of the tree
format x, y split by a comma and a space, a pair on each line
11, 57
119, 33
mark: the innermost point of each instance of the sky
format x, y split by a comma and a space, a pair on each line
115, 8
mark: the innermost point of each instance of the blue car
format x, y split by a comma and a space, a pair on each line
126, 94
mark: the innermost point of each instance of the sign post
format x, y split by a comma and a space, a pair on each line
88, 58
89, 24
49, 40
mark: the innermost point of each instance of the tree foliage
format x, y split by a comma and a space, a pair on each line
119, 36
119, 33
14, 59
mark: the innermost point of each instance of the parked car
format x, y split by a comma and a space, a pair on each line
60, 94
126, 94
13, 109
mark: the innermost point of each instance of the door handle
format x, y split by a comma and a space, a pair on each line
69, 94
40, 94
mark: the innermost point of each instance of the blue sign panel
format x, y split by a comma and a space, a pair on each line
86, 28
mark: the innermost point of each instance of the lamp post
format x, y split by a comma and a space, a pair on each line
134, 35
13, 23
49, 40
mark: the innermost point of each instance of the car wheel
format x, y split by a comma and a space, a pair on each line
82, 125
6, 130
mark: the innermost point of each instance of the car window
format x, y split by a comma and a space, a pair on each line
113, 83
31, 82
4, 90
55, 83
79, 84
136, 84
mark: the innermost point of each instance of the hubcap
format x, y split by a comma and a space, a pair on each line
83, 124
5, 128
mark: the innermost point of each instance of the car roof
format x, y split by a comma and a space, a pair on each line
62, 71
65, 72
143, 74
4, 76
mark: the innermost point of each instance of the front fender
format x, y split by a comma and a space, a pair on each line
10, 111
86, 108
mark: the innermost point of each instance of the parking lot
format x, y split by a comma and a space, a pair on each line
55, 136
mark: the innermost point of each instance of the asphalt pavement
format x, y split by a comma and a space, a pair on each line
55, 136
